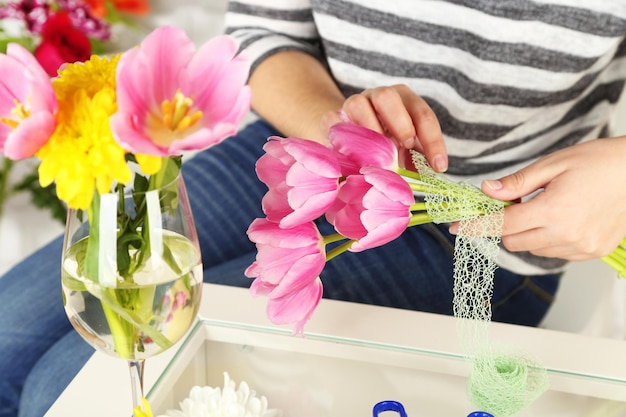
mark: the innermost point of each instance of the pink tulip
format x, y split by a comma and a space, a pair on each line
296, 308
360, 147
173, 98
372, 208
302, 178
27, 104
287, 265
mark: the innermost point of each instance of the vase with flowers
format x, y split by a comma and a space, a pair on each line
109, 133
57, 32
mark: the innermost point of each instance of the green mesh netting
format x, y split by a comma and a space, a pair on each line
503, 381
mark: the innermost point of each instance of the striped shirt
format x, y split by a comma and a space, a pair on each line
509, 80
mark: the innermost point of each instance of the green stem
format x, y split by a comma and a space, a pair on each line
419, 206
335, 237
133, 319
419, 218
339, 250
7, 165
123, 337
420, 187
410, 174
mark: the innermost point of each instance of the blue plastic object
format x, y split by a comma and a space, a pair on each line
479, 414
389, 406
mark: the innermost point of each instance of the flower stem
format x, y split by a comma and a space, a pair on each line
419, 218
122, 332
7, 165
419, 206
335, 237
339, 250
423, 188
410, 174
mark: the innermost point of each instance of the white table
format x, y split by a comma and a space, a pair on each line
353, 356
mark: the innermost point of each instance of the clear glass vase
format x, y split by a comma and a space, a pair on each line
132, 272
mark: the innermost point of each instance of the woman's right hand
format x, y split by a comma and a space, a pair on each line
397, 112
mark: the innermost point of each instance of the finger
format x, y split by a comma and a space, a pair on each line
532, 242
359, 110
523, 182
518, 218
428, 130
404, 116
521, 217
391, 110
563, 252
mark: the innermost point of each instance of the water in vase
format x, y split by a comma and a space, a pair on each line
143, 317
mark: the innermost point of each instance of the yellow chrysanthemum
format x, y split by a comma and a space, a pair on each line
90, 76
82, 154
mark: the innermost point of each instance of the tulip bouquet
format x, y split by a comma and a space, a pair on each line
57, 32
356, 183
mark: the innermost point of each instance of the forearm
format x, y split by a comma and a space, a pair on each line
293, 91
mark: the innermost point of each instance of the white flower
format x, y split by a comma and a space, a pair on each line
226, 402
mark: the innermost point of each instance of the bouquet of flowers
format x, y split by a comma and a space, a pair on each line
88, 123
356, 183
57, 32
124, 120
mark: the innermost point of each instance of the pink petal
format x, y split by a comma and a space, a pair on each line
345, 214
30, 136
23, 80
266, 232
275, 263
275, 204
362, 147
130, 135
260, 287
134, 84
270, 169
314, 156
167, 50
216, 77
390, 183
385, 233
301, 273
296, 308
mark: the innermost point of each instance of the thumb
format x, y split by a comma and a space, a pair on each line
518, 184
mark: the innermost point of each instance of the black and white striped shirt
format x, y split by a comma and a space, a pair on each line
509, 80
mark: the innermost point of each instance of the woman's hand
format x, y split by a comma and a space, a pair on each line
397, 112
580, 213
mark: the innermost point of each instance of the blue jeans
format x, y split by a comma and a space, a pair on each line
40, 352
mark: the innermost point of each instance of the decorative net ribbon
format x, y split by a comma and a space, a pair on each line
502, 381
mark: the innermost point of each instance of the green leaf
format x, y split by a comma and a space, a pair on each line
93, 240
125, 241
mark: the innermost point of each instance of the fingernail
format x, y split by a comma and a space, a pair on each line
493, 184
454, 228
440, 163
409, 143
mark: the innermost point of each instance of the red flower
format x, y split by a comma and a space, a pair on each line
137, 7
61, 42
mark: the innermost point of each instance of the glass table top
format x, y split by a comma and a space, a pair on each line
353, 356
